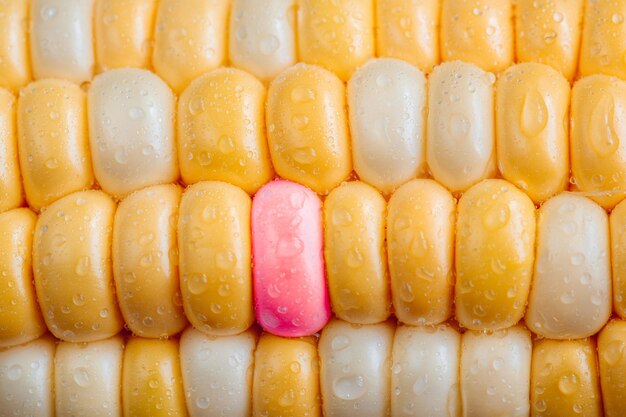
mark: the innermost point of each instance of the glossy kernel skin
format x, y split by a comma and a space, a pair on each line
603, 39
495, 252
20, 318
72, 267
617, 229
387, 110
354, 251
52, 141
262, 36
286, 376
571, 289
11, 193
123, 31
307, 127
421, 220
336, 34
612, 366
88, 378
409, 30
549, 34
221, 130
14, 52
214, 248
152, 384
189, 39
597, 151
479, 32
460, 141
532, 141
145, 261
564, 379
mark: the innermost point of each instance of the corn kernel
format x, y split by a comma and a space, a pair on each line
14, 54
564, 379
61, 39
151, 379
190, 38
71, 262
336, 34
285, 378
262, 37
20, 319
123, 31
387, 108
145, 261
425, 371
598, 154
26, 379
11, 194
603, 47
88, 378
52, 141
460, 143
612, 364
532, 102
409, 30
571, 290
212, 366
495, 241
549, 34
308, 128
131, 131
354, 250
366, 352
221, 130
617, 224
420, 242
495, 372
479, 32
214, 246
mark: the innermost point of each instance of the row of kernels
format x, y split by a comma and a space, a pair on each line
370, 369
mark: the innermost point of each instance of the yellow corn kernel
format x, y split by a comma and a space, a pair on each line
71, 262
262, 37
495, 372
420, 241
189, 39
11, 194
26, 379
221, 130
409, 30
285, 378
532, 102
598, 154
145, 261
564, 379
479, 32
460, 140
617, 225
354, 251
603, 47
61, 39
307, 127
215, 269
495, 250
336, 34
20, 319
612, 364
14, 55
152, 384
549, 34
88, 378
123, 31
52, 141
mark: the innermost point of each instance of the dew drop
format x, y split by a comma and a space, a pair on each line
81, 377
203, 402
197, 283
568, 383
339, 342
14, 373
136, 113
534, 116
349, 387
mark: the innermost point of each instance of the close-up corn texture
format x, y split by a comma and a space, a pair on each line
313, 207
